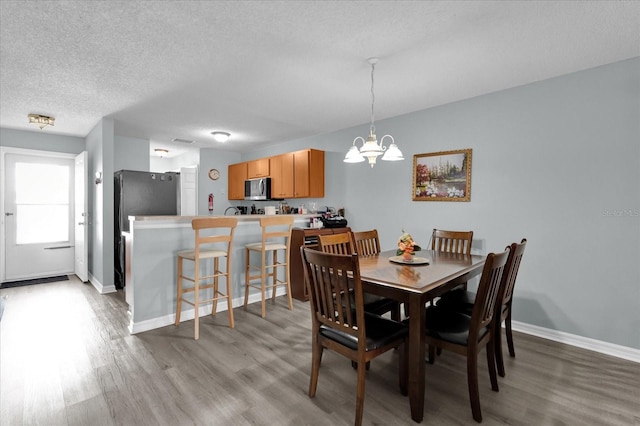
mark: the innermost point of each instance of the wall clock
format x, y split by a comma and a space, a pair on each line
214, 174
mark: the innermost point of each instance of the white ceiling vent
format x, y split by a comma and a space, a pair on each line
178, 140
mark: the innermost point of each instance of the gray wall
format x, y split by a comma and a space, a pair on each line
557, 162
41, 140
213, 159
131, 154
100, 147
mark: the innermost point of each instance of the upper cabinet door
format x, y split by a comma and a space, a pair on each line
308, 173
237, 175
282, 175
258, 168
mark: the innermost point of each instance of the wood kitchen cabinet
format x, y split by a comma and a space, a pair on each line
308, 177
258, 168
282, 175
298, 174
237, 176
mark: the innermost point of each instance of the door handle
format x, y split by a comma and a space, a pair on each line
81, 223
8, 214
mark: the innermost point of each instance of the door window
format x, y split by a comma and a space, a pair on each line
42, 203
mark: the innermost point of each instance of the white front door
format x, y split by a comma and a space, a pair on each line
38, 207
81, 266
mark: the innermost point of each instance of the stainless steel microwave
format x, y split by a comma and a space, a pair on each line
257, 189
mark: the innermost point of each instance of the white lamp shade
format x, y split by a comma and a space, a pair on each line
353, 155
220, 136
393, 153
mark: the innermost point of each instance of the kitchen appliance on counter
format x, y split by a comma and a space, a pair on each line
138, 193
257, 189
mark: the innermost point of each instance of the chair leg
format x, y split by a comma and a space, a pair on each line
395, 312
472, 381
316, 359
246, 277
287, 277
403, 368
432, 354
179, 296
362, 369
497, 335
274, 276
507, 326
227, 277
491, 364
216, 270
263, 279
196, 299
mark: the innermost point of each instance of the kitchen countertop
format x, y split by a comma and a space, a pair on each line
241, 218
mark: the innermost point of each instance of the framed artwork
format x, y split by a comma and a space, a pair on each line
442, 176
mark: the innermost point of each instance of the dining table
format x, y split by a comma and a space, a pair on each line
414, 282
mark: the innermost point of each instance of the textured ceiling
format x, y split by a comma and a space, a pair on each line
271, 71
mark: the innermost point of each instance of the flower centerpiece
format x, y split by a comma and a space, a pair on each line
406, 246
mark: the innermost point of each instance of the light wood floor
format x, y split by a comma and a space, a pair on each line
68, 359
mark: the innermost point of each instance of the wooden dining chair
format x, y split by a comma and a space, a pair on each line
452, 241
468, 335
213, 240
367, 242
462, 301
276, 237
333, 283
343, 243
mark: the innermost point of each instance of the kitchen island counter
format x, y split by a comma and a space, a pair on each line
151, 267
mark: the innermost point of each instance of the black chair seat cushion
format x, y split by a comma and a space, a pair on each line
380, 332
377, 304
449, 325
458, 300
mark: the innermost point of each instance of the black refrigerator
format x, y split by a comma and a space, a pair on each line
140, 194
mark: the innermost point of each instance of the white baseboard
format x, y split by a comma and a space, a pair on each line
102, 289
189, 314
606, 348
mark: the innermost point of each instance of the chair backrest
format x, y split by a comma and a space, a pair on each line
276, 228
484, 307
203, 238
367, 242
452, 241
516, 251
335, 292
336, 243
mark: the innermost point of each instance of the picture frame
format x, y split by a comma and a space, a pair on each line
442, 176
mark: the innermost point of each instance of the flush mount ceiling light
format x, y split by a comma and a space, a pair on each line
161, 152
221, 136
370, 148
41, 121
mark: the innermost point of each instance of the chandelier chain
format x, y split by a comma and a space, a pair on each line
372, 127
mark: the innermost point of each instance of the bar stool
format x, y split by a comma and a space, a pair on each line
207, 246
274, 229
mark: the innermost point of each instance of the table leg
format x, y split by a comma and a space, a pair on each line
416, 357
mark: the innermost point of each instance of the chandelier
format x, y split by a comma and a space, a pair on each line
370, 148
41, 121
